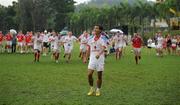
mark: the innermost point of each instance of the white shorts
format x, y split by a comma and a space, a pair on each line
52, 46
37, 47
137, 50
83, 47
124, 45
159, 46
29, 44
20, 44
56, 49
178, 48
173, 45
96, 64
118, 46
68, 49
9, 43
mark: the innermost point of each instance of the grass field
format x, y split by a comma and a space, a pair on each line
155, 81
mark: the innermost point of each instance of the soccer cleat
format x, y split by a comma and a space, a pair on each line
98, 93
91, 92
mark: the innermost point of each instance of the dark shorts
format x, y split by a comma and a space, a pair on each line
45, 44
149, 47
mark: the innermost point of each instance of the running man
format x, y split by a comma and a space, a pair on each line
160, 40
56, 49
45, 42
37, 39
83, 46
68, 45
97, 47
119, 42
137, 43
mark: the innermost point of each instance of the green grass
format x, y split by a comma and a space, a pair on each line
155, 81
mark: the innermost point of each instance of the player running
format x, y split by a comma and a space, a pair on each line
37, 39
56, 43
68, 45
119, 43
83, 46
137, 43
160, 41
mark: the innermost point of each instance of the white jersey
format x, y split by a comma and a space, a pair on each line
45, 38
174, 42
149, 42
119, 41
37, 42
56, 43
83, 39
160, 42
95, 48
83, 45
51, 41
69, 41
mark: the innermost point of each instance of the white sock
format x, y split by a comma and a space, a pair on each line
97, 89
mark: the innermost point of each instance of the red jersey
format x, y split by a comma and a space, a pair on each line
137, 42
1, 37
20, 37
8, 37
28, 38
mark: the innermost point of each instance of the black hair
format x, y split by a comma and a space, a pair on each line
100, 27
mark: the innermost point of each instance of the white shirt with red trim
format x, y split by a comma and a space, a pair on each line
96, 47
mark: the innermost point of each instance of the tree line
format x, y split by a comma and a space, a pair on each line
33, 15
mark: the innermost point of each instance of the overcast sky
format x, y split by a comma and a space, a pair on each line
9, 2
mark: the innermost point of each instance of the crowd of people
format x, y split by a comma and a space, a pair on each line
93, 47
168, 44
45, 42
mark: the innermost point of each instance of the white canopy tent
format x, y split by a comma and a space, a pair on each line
116, 30
13, 31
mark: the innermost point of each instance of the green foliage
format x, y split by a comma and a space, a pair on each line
35, 15
8, 17
137, 14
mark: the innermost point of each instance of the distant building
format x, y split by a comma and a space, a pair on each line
161, 23
160, 1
